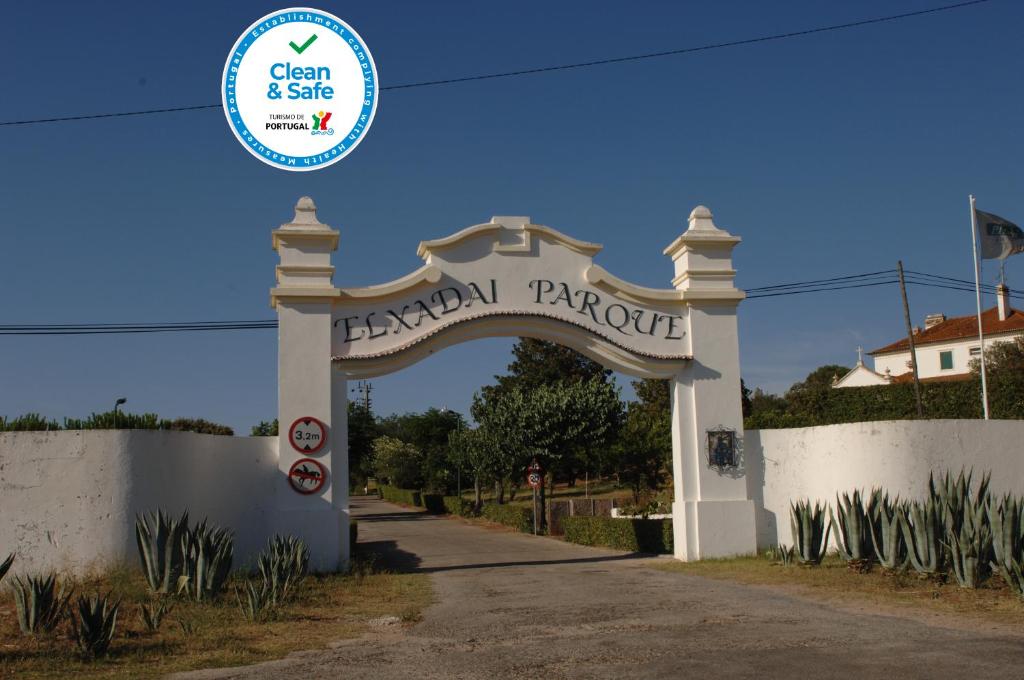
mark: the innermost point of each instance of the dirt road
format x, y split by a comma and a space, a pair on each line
515, 606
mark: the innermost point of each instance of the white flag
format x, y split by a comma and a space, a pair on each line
999, 238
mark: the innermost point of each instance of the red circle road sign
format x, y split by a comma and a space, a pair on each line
307, 435
307, 476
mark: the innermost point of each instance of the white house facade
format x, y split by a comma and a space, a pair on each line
945, 347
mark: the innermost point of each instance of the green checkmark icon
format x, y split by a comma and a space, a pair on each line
300, 50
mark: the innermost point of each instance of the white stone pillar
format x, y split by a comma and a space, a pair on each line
712, 515
304, 297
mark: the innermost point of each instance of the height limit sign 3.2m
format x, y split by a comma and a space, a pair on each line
307, 435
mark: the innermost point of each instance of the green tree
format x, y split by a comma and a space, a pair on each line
1004, 373
808, 398
539, 362
265, 429
398, 463
476, 453
362, 431
643, 450
428, 432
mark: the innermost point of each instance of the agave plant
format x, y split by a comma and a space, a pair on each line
953, 496
152, 615
970, 546
41, 602
810, 535
922, 529
853, 530
256, 605
5, 566
282, 566
161, 549
886, 537
1007, 522
93, 626
208, 554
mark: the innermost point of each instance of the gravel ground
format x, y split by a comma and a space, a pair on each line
514, 606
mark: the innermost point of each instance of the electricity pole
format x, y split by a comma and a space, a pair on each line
910, 338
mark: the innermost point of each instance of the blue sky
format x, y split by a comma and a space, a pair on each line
829, 154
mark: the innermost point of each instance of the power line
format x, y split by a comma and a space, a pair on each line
553, 68
836, 283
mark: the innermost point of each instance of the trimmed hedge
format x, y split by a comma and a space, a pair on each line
457, 505
620, 533
393, 494
515, 516
433, 502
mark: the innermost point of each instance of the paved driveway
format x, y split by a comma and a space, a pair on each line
516, 606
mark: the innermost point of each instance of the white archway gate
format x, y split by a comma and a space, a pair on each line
510, 277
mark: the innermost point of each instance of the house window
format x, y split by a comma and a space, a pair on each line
975, 351
946, 360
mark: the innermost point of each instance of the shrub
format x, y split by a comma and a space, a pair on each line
515, 516
457, 505
433, 502
196, 425
410, 497
620, 533
30, 422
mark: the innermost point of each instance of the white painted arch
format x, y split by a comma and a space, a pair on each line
510, 277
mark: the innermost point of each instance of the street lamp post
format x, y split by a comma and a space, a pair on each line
117, 403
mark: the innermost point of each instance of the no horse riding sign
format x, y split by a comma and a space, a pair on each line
307, 476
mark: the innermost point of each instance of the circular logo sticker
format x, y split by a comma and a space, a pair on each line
307, 476
300, 89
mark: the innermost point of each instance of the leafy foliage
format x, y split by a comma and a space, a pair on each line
30, 422
121, 420
410, 497
397, 462
265, 429
515, 516
620, 533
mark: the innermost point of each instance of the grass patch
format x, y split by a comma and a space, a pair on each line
833, 581
325, 608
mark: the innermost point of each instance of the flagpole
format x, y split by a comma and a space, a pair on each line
977, 291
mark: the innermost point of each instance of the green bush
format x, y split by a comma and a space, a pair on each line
393, 494
457, 505
620, 533
827, 406
122, 420
515, 516
433, 502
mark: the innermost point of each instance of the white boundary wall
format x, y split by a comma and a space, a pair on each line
68, 499
818, 462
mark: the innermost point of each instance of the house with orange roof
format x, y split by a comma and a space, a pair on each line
945, 347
